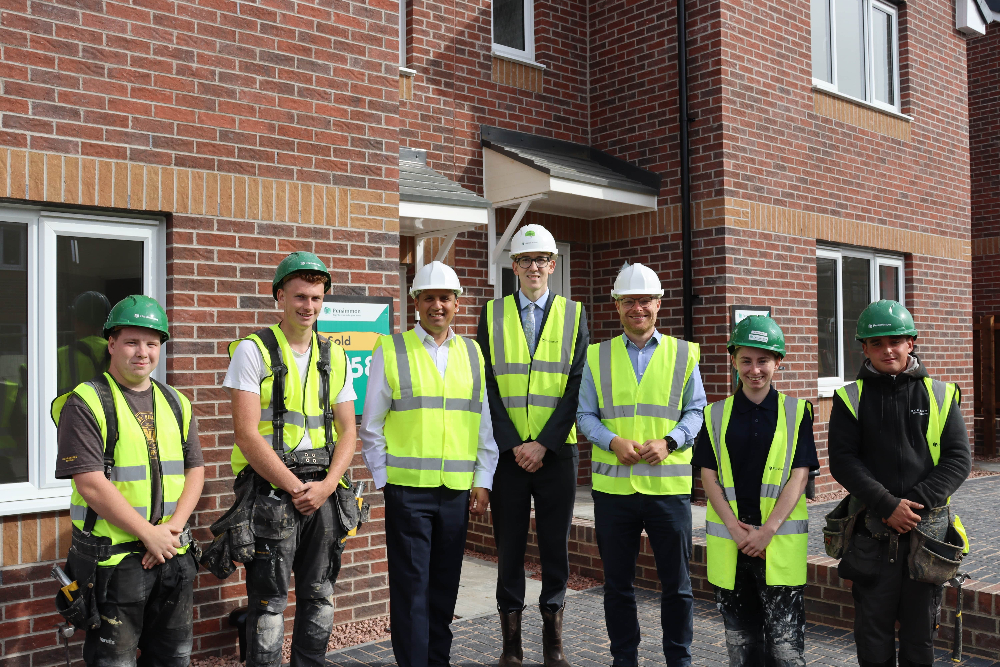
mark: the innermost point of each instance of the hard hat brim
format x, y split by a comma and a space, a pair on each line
631, 292
414, 293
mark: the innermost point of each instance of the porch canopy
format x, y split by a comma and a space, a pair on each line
432, 205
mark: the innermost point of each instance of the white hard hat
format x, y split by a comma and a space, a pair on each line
435, 275
636, 279
532, 238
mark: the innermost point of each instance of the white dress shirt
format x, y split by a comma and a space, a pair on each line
378, 400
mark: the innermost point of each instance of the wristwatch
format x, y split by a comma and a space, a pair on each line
671, 445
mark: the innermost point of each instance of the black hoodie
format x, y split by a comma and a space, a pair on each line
883, 456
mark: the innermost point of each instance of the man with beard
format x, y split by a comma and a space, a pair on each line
641, 405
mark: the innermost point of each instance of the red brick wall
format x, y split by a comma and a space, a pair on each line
984, 147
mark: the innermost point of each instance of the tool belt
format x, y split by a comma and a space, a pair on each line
259, 511
86, 552
840, 526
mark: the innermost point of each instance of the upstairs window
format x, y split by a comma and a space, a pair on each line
855, 47
514, 29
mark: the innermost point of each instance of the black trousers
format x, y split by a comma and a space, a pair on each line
765, 625
425, 543
620, 522
311, 550
553, 487
142, 609
884, 594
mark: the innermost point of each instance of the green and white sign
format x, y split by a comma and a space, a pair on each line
355, 323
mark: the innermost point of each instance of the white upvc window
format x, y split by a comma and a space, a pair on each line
402, 33
855, 50
514, 29
59, 273
847, 280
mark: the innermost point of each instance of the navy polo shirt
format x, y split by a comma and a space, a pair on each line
748, 440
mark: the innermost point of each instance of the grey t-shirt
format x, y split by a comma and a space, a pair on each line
81, 446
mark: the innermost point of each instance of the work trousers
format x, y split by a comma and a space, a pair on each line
312, 551
553, 487
619, 522
765, 625
425, 542
883, 594
149, 610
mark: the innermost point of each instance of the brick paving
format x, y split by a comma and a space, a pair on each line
477, 640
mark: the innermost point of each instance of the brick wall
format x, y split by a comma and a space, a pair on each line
984, 147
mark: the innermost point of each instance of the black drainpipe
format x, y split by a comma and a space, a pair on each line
685, 173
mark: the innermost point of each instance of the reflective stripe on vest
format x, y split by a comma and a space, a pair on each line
531, 387
787, 552
940, 395
432, 428
640, 411
303, 404
131, 474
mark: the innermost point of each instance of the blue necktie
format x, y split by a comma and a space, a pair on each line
529, 328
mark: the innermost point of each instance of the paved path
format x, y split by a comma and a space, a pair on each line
477, 640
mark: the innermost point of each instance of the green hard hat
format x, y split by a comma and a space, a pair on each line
138, 310
758, 331
298, 261
885, 318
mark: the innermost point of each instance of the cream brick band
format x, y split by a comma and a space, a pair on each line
66, 179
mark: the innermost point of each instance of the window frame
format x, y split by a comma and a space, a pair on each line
402, 33
828, 385
868, 39
528, 54
43, 492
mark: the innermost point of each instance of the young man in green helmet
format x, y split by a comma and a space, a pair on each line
755, 452
130, 445
899, 445
296, 444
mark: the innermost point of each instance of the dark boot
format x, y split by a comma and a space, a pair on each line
906, 662
552, 648
510, 627
891, 662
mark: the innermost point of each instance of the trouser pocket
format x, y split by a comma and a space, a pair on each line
862, 560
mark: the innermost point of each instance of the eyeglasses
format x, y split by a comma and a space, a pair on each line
526, 262
645, 302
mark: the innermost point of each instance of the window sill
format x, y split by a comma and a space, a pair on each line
519, 60
861, 103
406, 71
35, 502
828, 389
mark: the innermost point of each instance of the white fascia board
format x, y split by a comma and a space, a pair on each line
601, 192
464, 214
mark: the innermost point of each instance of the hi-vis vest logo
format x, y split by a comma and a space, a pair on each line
759, 336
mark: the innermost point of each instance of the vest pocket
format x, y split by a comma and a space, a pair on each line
862, 561
273, 516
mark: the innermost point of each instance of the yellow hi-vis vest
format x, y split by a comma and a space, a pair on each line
941, 395
641, 411
531, 387
304, 405
787, 552
432, 429
131, 473
80, 361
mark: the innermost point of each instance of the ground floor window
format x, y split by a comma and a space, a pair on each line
847, 280
60, 273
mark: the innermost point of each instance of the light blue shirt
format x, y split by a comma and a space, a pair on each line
523, 302
693, 400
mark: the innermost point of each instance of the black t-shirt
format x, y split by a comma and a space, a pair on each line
748, 441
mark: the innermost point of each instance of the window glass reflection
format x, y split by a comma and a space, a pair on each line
850, 47
826, 312
92, 275
508, 23
856, 290
13, 353
888, 282
822, 62
882, 61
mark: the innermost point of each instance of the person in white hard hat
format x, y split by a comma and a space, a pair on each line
432, 476
641, 405
536, 343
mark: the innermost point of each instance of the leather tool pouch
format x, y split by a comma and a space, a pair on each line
935, 549
862, 560
347, 509
233, 532
840, 527
274, 515
81, 566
